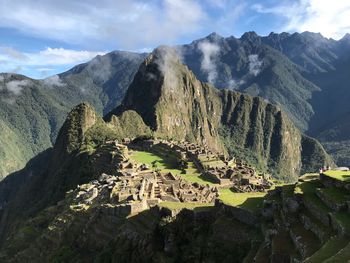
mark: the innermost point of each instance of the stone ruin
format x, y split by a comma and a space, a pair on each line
131, 188
135, 187
227, 172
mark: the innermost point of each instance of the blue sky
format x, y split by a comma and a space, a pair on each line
44, 37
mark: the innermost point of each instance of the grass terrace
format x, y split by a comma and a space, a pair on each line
344, 219
342, 256
308, 190
337, 195
330, 248
167, 164
155, 161
309, 177
250, 201
343, 176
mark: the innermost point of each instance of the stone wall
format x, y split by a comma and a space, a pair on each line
329, 181
329, 202
316, 212
242, 215
309, 224
339, 228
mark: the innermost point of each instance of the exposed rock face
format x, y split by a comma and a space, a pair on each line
174, 104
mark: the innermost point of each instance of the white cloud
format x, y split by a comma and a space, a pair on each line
167, 59
54, 81
60, 56
13, 53
44, 60
16, 86
331, 18
254, 64
210, 52
126, 23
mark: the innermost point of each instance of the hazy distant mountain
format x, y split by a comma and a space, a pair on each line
165, 100
304, 73
33, 111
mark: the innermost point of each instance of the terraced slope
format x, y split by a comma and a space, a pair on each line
304, 226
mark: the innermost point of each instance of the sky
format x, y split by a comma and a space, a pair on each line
40, 38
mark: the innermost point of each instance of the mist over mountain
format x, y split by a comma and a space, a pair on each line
301, 73
90, 198
33, 111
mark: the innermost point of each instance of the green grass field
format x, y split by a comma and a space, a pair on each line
193, 175
330, 248
250, 201
342, 256
339, 175
169, 165
155, 161
309, 176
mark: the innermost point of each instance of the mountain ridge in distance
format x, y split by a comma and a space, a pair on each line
291, 75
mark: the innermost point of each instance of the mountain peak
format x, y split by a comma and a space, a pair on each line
213, 36
250, 35
78, 121
346, 37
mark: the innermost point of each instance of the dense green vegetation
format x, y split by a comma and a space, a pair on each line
31, 119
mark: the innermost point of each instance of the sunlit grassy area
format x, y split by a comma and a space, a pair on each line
309, 176
169, 165
193, 175
155, 161
179, 205
339, 175
251, 201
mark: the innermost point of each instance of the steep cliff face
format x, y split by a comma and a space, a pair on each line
251, 123
174, 104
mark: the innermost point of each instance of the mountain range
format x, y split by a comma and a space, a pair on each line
165, 100
75, 201
304, 74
